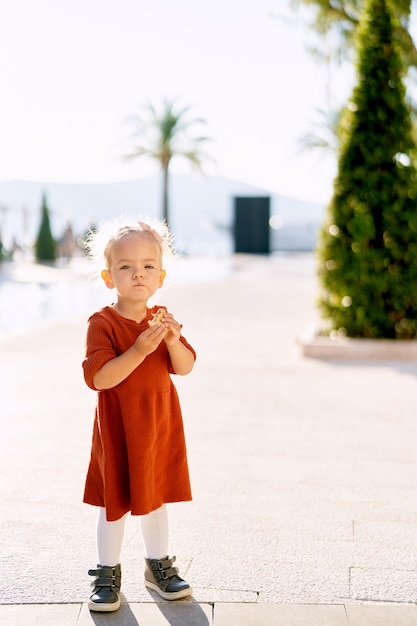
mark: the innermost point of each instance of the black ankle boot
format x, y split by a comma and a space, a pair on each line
163, 578
105, 596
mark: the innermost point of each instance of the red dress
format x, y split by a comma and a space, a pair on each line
138, 453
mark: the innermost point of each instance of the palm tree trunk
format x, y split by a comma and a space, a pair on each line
165, 211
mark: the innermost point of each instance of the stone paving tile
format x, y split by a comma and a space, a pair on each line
383, 585
320, 528
304, 549
305, 583
386, 615
387, 474
212, 595
39, 614
387, 532
279, 615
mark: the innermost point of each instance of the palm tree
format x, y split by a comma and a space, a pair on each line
163, 136
336, 21
326, 137
340, 18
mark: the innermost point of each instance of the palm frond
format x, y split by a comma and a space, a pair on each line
164, 134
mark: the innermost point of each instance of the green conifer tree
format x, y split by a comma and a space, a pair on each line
368, 242
45, 245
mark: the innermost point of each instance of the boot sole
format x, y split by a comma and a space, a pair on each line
176, 595
104, 608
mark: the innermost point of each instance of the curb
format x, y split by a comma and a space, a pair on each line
345, 348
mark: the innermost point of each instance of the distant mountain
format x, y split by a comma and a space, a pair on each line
201, 210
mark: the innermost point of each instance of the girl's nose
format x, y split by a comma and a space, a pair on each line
137, 273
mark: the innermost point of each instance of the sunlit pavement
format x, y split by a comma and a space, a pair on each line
303, 471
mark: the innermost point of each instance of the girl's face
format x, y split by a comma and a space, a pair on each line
134, 267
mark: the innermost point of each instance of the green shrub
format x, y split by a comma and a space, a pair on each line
45, 245
367, 249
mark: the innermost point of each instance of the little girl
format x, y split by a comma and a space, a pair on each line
138, 455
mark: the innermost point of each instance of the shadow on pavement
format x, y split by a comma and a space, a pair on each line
123, 617
180, 613
183, 614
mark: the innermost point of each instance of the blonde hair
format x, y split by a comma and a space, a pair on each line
99, 241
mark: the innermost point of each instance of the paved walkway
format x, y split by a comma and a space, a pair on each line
303, 471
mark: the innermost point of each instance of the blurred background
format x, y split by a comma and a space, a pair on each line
74, 74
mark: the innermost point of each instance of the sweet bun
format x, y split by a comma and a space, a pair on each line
157, 317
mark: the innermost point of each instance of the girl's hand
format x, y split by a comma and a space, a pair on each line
173, 328
182, 359
149, 340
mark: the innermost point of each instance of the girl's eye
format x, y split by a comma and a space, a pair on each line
149, 267
124, 267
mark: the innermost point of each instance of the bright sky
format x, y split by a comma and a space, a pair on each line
72, 71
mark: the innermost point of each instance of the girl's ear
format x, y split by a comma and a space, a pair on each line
106, 276
162, 278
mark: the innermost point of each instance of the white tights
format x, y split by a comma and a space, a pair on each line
154, 529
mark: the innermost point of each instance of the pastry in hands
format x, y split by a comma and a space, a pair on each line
157, 317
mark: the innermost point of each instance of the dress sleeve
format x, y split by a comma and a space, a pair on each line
100, 347
187, 345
